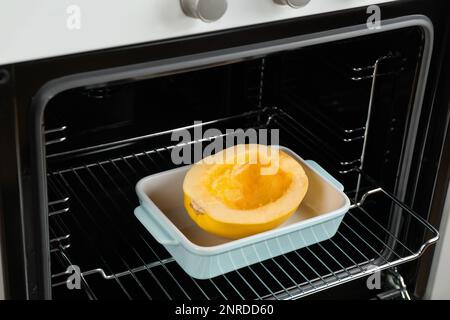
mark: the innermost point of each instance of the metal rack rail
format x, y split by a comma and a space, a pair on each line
54, 136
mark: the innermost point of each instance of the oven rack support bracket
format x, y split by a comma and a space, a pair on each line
55, 136
395, 279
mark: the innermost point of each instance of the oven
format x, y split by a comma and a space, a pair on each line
93, 107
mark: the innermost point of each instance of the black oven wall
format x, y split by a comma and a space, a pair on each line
11, 210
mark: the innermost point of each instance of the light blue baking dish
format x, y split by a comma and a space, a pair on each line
203, 255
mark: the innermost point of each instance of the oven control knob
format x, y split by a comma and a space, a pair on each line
293, 3
205, 10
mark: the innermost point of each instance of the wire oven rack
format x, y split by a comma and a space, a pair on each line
92, 226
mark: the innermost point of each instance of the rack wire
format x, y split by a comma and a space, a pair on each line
361, 73
129, 263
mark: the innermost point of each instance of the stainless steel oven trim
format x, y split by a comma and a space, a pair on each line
214, 58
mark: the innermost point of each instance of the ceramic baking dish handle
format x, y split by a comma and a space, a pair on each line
150, 221
325, 174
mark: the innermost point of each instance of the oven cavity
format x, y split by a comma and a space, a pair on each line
345, 104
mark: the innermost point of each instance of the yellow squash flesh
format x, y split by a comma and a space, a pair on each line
244, 190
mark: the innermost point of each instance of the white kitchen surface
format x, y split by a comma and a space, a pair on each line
46, 28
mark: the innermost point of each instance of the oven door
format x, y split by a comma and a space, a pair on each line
28, 90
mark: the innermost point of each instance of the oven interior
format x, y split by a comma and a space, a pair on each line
100, 140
